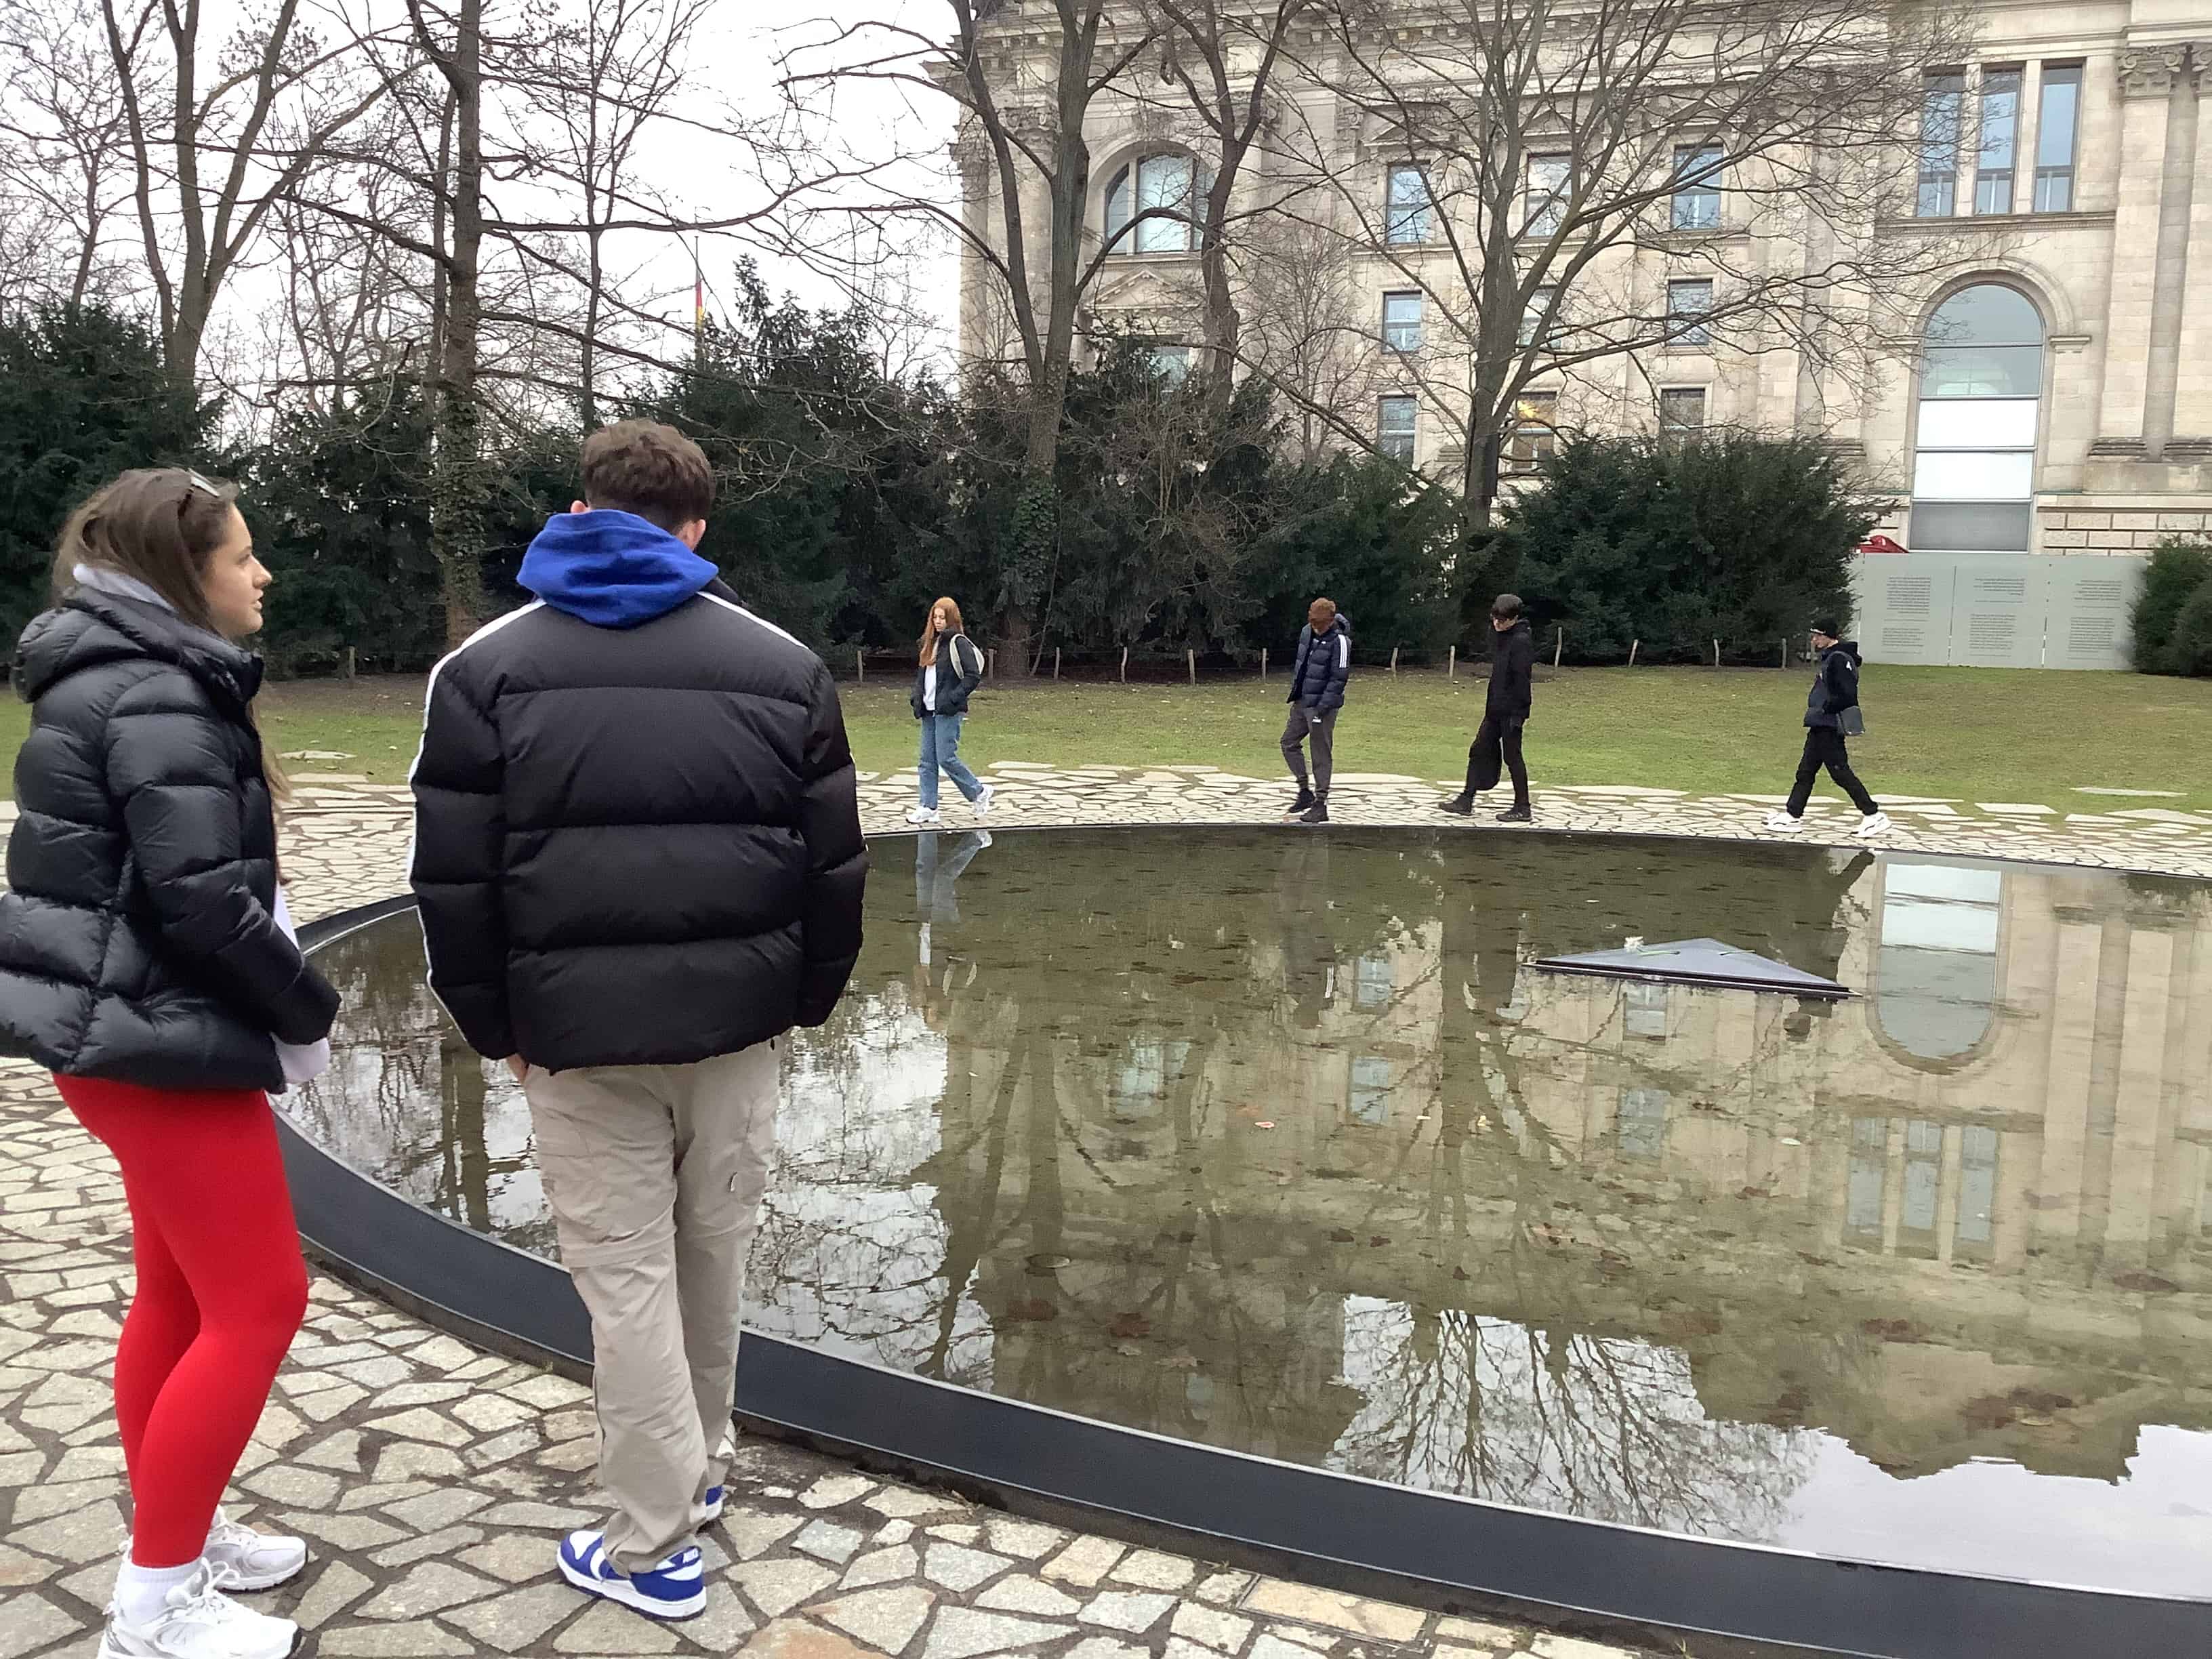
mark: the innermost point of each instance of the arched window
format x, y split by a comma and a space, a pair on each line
1936, 968
1165, 185
1981, 384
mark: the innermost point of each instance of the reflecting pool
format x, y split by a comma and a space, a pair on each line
1273, 1140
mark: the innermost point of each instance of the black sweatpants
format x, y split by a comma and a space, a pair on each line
1825, 746
1496, 746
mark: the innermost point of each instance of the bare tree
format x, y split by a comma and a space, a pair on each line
1023, 87
1567, 189
218, 134
61, 150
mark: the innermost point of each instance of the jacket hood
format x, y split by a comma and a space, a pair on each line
91, 628
1342, 625
1849, 648
611, 569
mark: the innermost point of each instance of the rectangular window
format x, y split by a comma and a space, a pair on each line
2054, 137
1369, 1101
1372, 982
1537, 321
1688, 303
1640, 1124
1405, 211
1535, 435
1697, 187
1942, 106
1546, 197
1163, 188
1401, 321
1681, 410
1171, 363
2000, 138
1394, 430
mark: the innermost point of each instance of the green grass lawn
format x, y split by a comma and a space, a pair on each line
1972, 734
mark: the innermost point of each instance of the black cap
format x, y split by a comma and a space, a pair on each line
1826, 628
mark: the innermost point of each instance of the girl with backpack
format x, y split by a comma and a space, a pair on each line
147, 958
949, 669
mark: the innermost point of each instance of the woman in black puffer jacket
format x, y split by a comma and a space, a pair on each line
147, 958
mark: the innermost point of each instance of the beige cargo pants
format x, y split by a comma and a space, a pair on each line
654, 1175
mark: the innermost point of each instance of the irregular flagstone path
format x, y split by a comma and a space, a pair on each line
433, 1481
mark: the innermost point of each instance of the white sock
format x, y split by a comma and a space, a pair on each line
141, 1593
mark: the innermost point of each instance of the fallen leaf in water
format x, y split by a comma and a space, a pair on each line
1129, 1324
2150, 1284
1182, 1362
1377, 1241
1129, 1351
1461, 1273
1546, 1232
1265, 1123
1340, 1235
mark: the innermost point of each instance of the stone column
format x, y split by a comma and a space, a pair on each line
2177, 188
2150, 81
2192, 410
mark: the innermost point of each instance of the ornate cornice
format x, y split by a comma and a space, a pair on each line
2150, 71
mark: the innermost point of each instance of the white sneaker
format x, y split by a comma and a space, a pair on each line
928, 816
1780, 824
244, 1559
1875, 824
982, 838
981, 804
199, 1621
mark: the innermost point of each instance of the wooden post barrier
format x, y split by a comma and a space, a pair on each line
1559, 646
1263, 662
1124, 665
1451, 664
991, 662
1716, 653
860, 665
1055, 662
1394, 660
351, 662
1190, 661
1633, 644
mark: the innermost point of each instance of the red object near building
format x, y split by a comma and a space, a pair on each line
1880, 545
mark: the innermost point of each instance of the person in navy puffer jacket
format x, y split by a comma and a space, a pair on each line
1318, 681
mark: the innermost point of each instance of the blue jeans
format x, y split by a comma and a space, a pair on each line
940, 747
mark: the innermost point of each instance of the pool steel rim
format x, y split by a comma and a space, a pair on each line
1435, 1549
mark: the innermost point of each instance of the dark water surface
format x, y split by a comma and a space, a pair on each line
1273, 1140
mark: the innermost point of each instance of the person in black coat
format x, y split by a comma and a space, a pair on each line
1505, 713
639, 864
1831, 713
147, 958
1318, 676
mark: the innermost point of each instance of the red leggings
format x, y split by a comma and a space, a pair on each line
221, 1290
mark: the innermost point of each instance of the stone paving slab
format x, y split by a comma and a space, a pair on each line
434, 1480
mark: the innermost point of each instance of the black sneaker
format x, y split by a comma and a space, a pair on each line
1317, 813
1304, 801
1459, 805
1517, 815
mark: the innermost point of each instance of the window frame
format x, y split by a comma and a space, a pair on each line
1386, 438
1169, 360
1122, 242
1678, 429
1544, 220
1704, 185
1699, 336
1993, 185
1535, 333
1531, 439
1944, 181
2067, 74
1418, 325
1406, 225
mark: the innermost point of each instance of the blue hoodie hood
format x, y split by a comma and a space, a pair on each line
611, 569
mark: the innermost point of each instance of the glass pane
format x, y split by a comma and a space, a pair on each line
1979, 423
1163, 181
1981, 371
1682, 409
2000, 117
1117, 206
1397, 415
2054, 127
2054, 190
1988, 313
1406, 214
1548, 186
1697, 204
1533, 331
1943, 105
1969, 527
1171, 361
1966, 475
1690, 299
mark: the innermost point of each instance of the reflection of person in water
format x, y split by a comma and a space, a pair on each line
1302, 896
1808, 933
936, 903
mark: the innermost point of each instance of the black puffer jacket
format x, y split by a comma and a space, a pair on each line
1513, 674
959, 672
637, 839
1835, 685
1322, 666
136, 937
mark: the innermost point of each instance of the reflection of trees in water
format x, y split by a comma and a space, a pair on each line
406, 1100
1605, 1428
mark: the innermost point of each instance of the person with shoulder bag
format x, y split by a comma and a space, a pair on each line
949, 667
1831, 717
1506, 709
1320, 669
148, 959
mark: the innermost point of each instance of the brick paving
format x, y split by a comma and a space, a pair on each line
432, 1480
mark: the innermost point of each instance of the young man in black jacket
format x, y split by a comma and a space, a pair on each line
639, 863
1831, 712
1504, 711
1318, 676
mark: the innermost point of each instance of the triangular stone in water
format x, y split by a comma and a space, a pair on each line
1697, 962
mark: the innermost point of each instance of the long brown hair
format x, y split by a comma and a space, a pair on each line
928, 651
160, 525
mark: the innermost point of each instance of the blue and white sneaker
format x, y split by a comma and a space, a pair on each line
713, 1502
677, 1589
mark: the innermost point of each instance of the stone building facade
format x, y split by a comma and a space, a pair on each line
2040, 405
